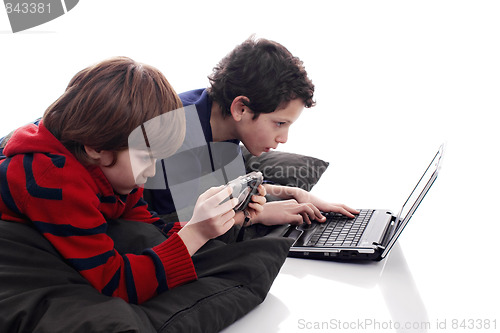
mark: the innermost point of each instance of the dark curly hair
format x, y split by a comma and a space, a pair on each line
265, 72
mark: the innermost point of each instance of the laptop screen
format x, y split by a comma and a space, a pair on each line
416, 196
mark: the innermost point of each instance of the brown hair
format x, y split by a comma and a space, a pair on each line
105, 102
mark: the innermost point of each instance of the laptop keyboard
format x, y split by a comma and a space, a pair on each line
340, 230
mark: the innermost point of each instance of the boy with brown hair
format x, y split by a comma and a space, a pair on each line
83, 164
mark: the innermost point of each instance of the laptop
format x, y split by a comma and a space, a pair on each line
368, 236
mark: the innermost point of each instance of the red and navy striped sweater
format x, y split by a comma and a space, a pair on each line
42, 183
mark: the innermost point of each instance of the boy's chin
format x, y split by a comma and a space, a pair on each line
126, 191
257, 152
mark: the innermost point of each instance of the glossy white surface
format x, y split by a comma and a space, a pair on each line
442, 275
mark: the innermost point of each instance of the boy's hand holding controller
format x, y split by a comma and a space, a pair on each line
215, 211
250, 192
256, 204
210, 218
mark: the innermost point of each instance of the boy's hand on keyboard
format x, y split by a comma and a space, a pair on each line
288, 211
298, 206
342, 209
305, 197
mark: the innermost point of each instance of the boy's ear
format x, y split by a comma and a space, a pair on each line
93, 154
238, 108
103, 157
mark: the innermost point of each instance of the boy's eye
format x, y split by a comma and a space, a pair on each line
279, 124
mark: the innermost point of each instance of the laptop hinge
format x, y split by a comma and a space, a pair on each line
389, 232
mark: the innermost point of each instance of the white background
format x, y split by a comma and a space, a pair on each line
394, 79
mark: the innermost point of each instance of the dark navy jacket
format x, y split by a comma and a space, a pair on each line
199, 164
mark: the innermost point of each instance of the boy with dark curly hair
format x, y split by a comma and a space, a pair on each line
256, 93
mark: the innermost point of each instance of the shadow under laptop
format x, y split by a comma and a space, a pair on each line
391, 276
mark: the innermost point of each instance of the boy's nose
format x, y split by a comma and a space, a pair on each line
283, 138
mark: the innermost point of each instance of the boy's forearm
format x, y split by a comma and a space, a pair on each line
192, 239
282, 192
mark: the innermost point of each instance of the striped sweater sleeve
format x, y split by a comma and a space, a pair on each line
61, 199
137, 210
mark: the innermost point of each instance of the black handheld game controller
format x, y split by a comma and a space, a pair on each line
243, 189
